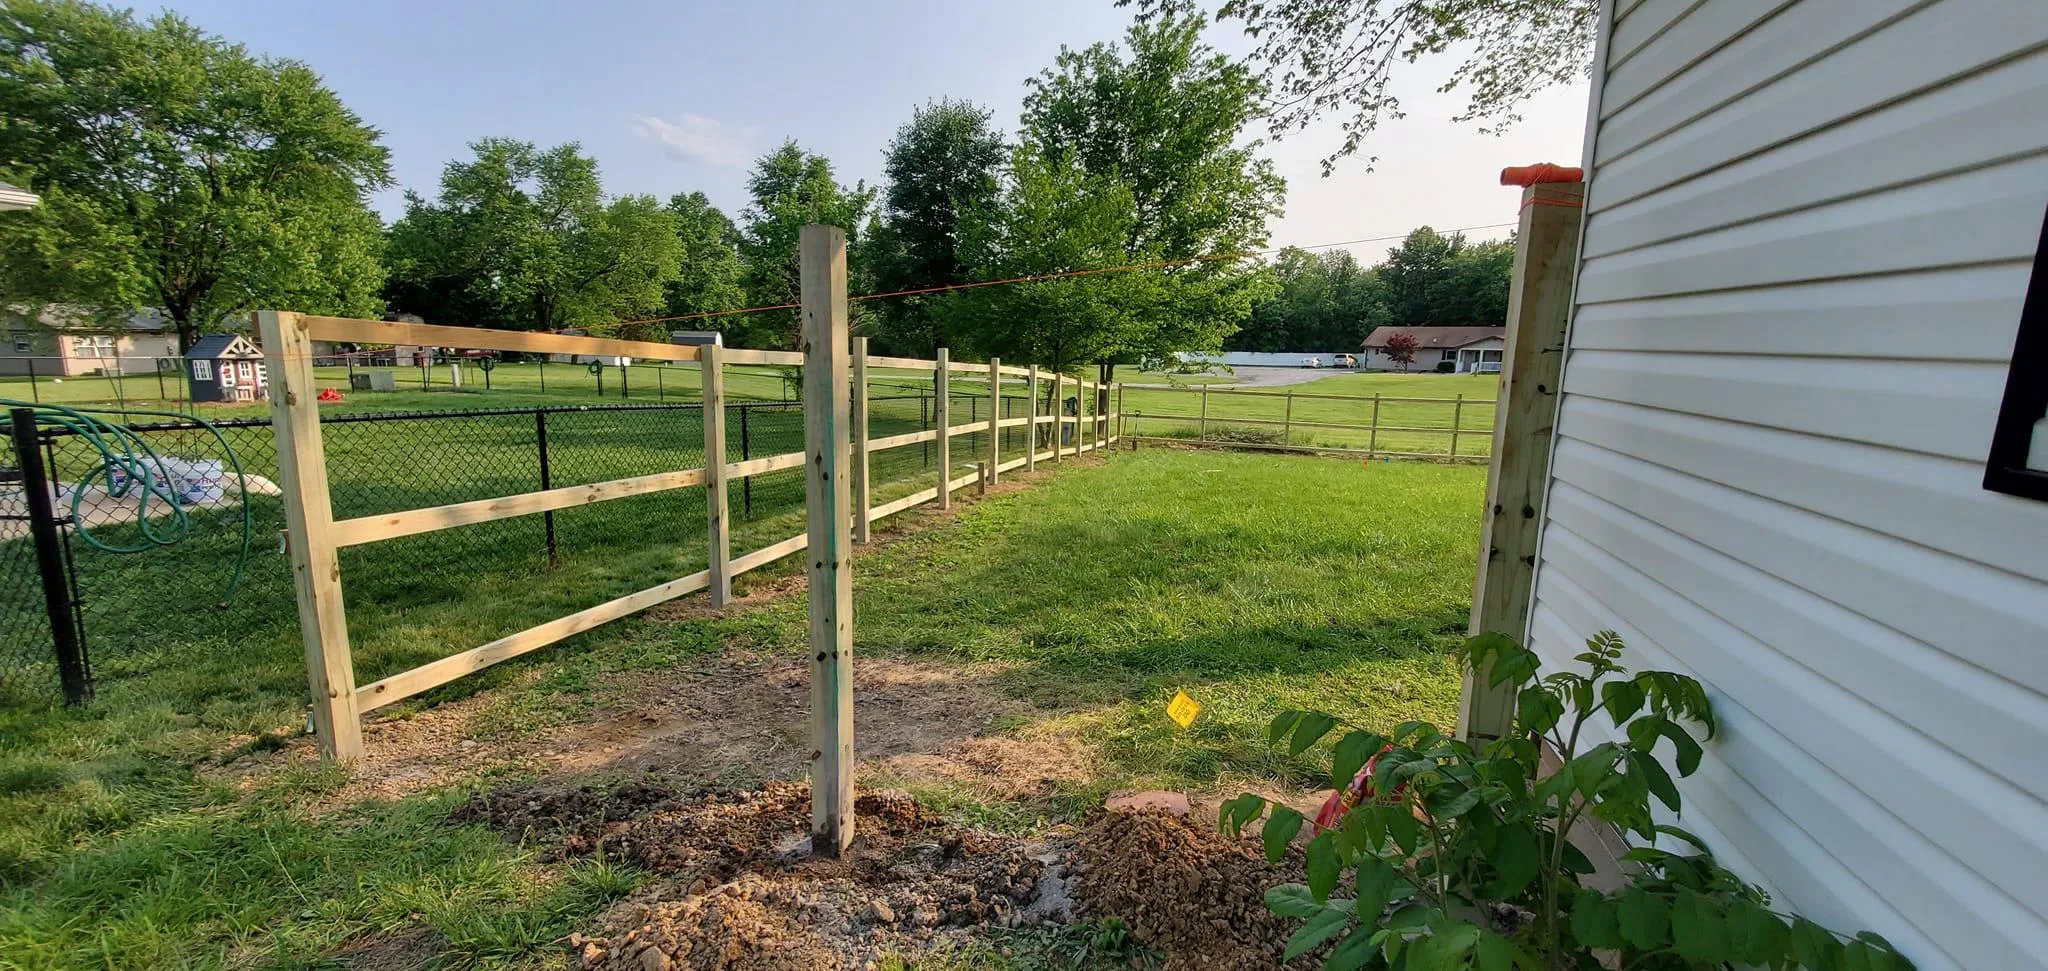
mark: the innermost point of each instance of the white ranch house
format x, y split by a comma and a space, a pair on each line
1470, 350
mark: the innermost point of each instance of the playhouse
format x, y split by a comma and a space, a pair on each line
225, 367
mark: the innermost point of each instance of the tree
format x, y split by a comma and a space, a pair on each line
522, 237
791, 188
711, 277
1325, 56
1321, 302
178, 171
1166, 120
1052, 217
941, 163
1401, 349
1436, 279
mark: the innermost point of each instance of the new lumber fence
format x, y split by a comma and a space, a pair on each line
1453, 429
971, 428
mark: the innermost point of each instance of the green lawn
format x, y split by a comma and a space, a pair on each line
1251, 582
1408, 422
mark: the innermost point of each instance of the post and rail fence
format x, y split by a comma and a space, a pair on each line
1372, 426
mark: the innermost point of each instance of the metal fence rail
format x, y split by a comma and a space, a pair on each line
1459, 428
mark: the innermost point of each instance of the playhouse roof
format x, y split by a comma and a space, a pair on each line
216, 345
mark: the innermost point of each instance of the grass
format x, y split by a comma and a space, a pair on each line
1177, 413
1252, 582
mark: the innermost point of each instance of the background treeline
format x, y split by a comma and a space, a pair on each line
179, 170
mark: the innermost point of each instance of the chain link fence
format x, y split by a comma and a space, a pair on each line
225, 583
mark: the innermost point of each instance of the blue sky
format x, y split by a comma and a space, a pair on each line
680, 96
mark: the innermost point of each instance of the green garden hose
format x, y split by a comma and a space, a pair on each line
128, 465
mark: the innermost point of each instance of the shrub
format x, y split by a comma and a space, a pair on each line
1453, 851
1247, 435
1446, 367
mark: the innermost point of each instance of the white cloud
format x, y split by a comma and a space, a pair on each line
695, 137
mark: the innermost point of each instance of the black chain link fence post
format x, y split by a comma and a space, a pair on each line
540, 437
47, 535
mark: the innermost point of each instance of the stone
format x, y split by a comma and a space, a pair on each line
653, 959
1171, 803
881, 913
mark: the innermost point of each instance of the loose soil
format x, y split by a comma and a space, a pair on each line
737, 889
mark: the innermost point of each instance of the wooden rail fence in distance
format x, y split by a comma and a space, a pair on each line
314, 538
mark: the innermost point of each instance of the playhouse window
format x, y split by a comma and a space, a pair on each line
22, 343
2019, 445
202, 370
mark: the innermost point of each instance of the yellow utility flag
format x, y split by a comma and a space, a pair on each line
1183, 709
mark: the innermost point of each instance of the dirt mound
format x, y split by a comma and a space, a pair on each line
743, 893
1186, 890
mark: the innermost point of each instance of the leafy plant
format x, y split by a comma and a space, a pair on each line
1452, 854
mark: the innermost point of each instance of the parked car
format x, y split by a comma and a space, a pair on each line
1312, 362
1344, 360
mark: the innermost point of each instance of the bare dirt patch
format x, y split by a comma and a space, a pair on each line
740, 892
1186, 890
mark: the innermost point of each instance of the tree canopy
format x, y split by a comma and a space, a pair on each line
711, 278
943, 161
524, 238
1324, 57
790, 188
179, 171
1327, 302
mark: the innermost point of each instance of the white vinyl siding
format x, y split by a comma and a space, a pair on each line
1809, 230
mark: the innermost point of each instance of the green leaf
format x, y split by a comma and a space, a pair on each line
1497, 953
1516, 860
1320, 928
1292, 900
1697, 929
1651, 771
1753, 937
1310, 730
1594, 921
1351, 953
1538, 710
1688, 749
1235, 813
1279, 831
1813, 947
1622, 698
1645, 921
1352, 752
1377, 883
1323, 866
1401, 825
1282, 725
1860, 956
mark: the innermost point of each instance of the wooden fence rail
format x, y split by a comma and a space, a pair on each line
314, 537
1205, 420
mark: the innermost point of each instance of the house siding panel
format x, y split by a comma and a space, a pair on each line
1809, 232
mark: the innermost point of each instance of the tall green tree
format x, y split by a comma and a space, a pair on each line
1324, 57
1321, 303
1052, 217
711, 277
944, 161
791, 188
178, 170
1436, 279
520, 237
1165, 116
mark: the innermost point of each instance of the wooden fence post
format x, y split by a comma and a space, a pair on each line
309, 523
1119, 413
1202, 429
1287, 420
1372, 441
942, 411
1031, 429
1457, 422
861, 494
827, 496
995, 418
717, 512
1539, 304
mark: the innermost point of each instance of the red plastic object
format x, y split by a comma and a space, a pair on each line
329, 394
1346, 799
1541, 172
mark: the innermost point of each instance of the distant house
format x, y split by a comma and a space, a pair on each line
62, 343
1469, 349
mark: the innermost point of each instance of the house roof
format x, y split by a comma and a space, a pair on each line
214, 345
69, 317
15, 197
1436, 335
